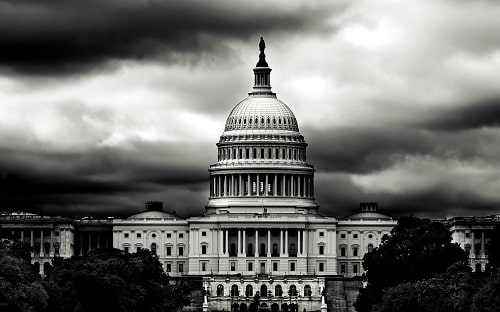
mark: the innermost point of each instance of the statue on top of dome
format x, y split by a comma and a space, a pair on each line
262, 56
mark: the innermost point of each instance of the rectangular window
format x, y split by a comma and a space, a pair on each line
181, 251
125, 235
467, 234
354, 235
169, 251
139, 235
181, 235
343, 268
321, 267
321, 250
321, 234
233, 266
355, 268
275, 266
169, 267
203, 233
56, 233
292, 266
169, 235
126, 249
342, 251
250, 266
342, 235
355, 251
203, 249
203, 266
181, 267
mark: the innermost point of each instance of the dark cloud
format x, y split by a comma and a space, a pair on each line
66, 36
484, 113
339, 196
105, 181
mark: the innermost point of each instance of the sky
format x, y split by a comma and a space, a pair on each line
107, 104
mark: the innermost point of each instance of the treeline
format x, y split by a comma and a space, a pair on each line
105, 280
417, 268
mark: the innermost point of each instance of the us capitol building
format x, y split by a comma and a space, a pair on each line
262, 243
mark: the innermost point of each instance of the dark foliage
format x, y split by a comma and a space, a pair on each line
112, 280
417, 249
20, 288
493, 247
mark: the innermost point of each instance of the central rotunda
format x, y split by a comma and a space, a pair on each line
261, 244
261, 156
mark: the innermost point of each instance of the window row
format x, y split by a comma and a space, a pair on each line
354, 236
264, 291
153, 235
291, 153
355, 250
261, 185
154, 249
268, 122
355, 268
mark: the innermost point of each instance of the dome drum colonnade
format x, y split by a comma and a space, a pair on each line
261, 153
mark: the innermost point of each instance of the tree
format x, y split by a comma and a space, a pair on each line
493, 247
112, 280
487, 299
20, 288
448, 292
417, 249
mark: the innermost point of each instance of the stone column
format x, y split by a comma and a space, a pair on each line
258, 184
299, 247
265, 186
282, 247
239, 242
241, 184
256, 242
22, 236
283, 186
98, 240
269, 243
31, 239
224, 185
249, 186
90, 241
232, 185
221, 242
244, 242
51, 240
286, 243
275, 186
473, 246
292, 185
227, 242
219, 186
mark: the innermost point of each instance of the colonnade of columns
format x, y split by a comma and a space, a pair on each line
265, 184
249, 241
92, 237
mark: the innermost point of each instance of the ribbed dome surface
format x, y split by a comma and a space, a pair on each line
261, 112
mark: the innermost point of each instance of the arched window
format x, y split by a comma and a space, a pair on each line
292, 291
153, 248
234, 291
263, 291
307, 291
249, 291
370, 247
250, 249
220, 290
278, 291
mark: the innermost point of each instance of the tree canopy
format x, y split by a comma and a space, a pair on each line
112, 280
417, 249
20, 288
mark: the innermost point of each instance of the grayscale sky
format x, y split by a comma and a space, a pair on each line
106, 104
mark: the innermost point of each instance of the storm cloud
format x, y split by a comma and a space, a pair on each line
108, 104
65, 36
